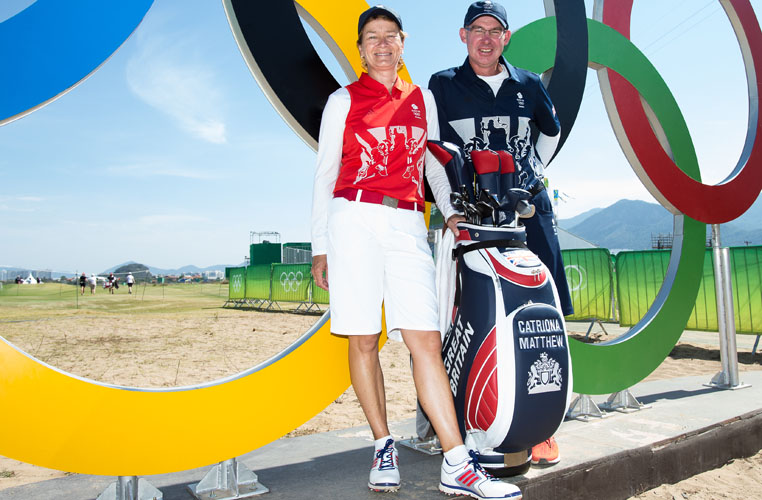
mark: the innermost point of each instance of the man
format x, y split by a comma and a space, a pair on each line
130, 281
488, 104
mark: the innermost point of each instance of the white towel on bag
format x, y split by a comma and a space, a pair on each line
445, 281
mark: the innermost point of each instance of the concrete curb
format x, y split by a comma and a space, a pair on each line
688, 429
631, 472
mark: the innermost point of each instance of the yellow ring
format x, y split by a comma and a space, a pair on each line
56, 420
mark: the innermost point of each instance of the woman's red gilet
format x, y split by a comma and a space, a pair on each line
384, 140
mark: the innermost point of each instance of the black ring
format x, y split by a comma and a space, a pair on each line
301, 86
567, 81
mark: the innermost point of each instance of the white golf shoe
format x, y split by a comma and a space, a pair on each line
470, 478
385, 473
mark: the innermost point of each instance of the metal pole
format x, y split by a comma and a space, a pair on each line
228, 480
723, 285
127, 488
130, 488
730, 321
229, 474
722, 378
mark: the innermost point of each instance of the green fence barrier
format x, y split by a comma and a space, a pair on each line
704, 314
319, 296
640, 274
237, 285
589, 273
290, 282
747, 295
639, 277
258, 282
592, 274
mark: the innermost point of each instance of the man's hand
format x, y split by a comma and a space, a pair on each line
452, 224
320, 271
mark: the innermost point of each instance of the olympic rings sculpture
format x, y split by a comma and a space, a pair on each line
80, 440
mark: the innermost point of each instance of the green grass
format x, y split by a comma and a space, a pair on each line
20, 302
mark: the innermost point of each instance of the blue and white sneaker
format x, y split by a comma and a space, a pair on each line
470, 478
385, 473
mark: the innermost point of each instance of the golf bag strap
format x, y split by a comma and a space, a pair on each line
459, 251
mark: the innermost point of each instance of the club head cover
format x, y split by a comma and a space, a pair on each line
525, 209
507, 164
510, 200
453, 159
487, 167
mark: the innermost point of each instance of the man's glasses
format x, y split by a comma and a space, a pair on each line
479, 31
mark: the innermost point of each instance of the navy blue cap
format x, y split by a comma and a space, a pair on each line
375, 10
486, 8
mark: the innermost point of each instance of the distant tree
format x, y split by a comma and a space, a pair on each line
140, 271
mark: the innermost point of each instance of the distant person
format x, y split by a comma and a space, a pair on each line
92, 281
111, 283
130, 279
83, 282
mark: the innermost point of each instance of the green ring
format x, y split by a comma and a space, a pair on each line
616, 365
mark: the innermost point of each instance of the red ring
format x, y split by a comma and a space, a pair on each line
709, 204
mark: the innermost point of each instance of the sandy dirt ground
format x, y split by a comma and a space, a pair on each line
177, 349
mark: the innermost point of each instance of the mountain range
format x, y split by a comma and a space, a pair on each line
190, 269
12, 272
625, 225
630, 225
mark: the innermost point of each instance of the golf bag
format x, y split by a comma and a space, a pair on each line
505, 350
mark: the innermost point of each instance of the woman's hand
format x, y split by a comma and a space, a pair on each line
452, 224
320, 271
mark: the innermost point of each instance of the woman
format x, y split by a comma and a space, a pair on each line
369, 242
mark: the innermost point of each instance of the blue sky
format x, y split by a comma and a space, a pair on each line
170, 154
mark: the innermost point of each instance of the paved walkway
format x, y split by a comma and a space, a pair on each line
688, 428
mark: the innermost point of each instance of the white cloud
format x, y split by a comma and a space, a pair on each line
167, 219
16, 209
19, 203
21, 198
10, 8
163, 74
587, 194
156, 169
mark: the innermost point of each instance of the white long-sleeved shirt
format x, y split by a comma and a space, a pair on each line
330, 146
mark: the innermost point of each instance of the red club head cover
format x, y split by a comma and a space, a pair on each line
485, 161
506, 162
442, 155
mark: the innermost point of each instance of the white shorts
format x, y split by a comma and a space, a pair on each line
379, 254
